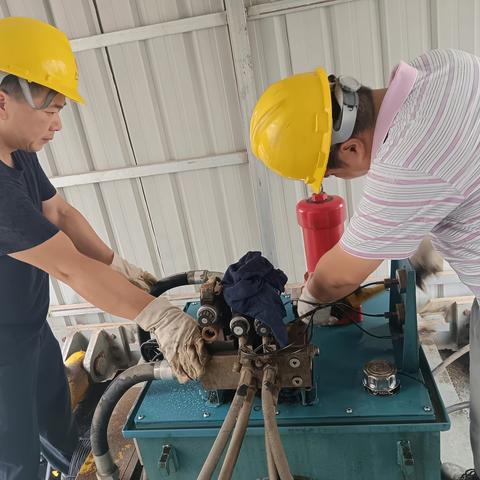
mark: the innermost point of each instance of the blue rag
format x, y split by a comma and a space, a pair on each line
253, 287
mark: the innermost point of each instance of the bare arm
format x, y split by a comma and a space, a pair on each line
338, 274
92, 279
70, 221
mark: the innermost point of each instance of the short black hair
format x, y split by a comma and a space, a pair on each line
365, 121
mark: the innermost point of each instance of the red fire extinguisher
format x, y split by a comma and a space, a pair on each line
321, 217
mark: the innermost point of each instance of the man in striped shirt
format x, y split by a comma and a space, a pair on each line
418, 143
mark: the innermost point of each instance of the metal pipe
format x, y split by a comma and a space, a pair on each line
238, 436
449, 360
458, 406
271, 428
227, 426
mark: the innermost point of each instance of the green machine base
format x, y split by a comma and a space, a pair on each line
348, 433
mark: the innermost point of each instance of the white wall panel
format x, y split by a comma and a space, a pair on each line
176, 97
363, 38
191, 110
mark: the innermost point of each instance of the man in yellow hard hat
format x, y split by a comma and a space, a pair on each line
41, 234
417, 143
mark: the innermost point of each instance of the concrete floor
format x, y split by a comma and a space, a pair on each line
453, 385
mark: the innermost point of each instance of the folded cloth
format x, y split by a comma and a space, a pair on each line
252, 286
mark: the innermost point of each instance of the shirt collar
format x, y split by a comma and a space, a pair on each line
401, 83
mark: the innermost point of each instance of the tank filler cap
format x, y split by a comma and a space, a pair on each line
380, 377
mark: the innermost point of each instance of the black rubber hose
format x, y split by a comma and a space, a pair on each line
163, 285
178, 280
115, 391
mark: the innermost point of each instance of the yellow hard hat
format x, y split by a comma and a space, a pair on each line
40, 53
291, 127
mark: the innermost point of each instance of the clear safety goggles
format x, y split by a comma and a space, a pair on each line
27, 93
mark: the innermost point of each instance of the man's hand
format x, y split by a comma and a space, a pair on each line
135, 275
178, 338
306, 303
426, 261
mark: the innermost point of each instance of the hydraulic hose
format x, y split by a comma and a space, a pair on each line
271, 428
272, 470
167, 283
449, 360
237, 436
227, 426
106, 468
192, 277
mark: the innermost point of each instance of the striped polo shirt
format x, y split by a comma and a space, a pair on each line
424, 177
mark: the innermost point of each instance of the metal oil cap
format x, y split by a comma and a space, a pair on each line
380, 377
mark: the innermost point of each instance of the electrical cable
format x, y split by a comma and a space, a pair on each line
381, 337
353, 309
319, 306
382, 282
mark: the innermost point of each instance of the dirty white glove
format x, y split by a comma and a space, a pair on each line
426, 261
178, 338
321, 316
135, 275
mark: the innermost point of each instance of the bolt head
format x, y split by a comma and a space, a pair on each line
294, 362
426, 408
349, 410
140, 417
297, 381
206, 414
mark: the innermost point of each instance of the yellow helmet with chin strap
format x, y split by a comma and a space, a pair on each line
292, 130
38, 52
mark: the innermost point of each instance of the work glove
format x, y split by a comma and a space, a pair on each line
178, 338
426, 261
135, 275
321, 316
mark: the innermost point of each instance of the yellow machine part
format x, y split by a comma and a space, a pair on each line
78, 378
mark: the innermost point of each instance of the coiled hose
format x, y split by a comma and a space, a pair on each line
106, 468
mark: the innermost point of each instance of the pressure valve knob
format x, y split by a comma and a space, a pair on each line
207, 315
239, 326
261, 329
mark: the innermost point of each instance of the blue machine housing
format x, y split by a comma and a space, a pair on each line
347, 433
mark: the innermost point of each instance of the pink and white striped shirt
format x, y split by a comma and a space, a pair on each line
425, 176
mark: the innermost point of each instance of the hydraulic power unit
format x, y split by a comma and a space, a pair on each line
363, 404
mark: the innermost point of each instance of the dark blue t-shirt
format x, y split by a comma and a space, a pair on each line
24, 289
